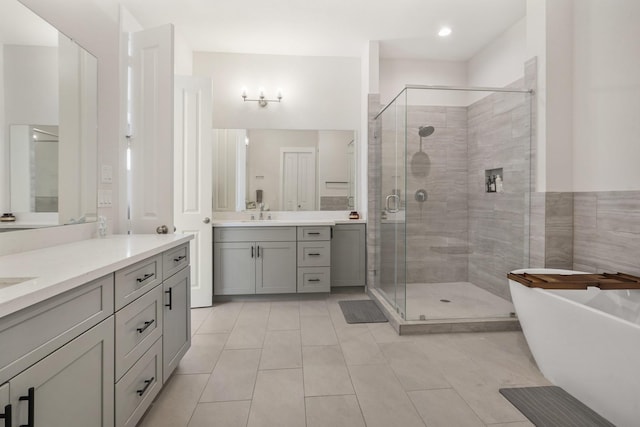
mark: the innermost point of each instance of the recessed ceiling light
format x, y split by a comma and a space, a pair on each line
444, 31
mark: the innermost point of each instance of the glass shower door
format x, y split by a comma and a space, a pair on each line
392, 247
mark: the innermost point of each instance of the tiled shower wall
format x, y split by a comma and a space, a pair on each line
498, 137
437, 229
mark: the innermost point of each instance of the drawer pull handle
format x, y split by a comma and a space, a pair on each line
170, 292
180, 258
314, 280
7, 416
314, 254
31, 399
258, 252
315, 233
145, 277
147, 383
252, 251
146, 325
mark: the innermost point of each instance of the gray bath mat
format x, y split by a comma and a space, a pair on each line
361, 311
551, 406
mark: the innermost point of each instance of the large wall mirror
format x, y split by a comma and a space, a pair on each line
48, 124
284, 170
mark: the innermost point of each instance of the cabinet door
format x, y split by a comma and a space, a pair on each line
73, 386
275, 267
176, 321
234, 270
6, 411
348, 255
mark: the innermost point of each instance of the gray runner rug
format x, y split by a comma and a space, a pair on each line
361, 311
551, 406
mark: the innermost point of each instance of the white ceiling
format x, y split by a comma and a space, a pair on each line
19, 25
406, 28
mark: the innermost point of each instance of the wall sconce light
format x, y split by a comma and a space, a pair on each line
262, 100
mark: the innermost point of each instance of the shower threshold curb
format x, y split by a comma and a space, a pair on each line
440, 326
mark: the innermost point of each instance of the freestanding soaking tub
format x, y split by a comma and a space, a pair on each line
587, 342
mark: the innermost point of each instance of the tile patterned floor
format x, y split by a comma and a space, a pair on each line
299, 364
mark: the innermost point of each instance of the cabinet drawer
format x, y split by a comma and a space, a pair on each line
138, 326
252, 234
31, 334
137, 279
314, 233
137, 389
175, 260
314, 279
314, 254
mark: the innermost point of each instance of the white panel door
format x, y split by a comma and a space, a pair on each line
151, 198
307, 181
298, 179
224, 169
289, 180
192, 186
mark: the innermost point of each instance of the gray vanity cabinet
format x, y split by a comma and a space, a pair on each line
6, 410
176, 335
73, 386
348, 255
275, 267
254, 260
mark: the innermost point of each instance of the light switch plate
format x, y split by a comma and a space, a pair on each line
105, 198
107, 174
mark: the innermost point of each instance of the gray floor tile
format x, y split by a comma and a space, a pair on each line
412, 367
444, 408
281, 350
203, 354
278, 399
221, 414
325, 371
383, 401
333, 411
359, 347
313, 308
198, 316
284, 316
175, 404
222, 318
317, 330
233, 377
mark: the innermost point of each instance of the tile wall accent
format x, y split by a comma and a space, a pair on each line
559, 214
334, 203
607, 232
373, 186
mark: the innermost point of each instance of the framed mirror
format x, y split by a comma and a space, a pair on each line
284, 170
48, 124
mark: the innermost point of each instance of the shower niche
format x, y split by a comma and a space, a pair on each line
493, 180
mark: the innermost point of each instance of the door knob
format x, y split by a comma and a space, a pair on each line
206, 220
163, 229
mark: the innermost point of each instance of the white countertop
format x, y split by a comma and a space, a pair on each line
57, 269
282, 222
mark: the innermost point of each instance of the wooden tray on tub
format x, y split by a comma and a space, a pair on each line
604, 281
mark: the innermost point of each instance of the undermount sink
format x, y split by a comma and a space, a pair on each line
10, 281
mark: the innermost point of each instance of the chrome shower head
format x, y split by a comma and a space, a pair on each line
424, 131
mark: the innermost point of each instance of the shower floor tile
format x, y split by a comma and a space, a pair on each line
454, 300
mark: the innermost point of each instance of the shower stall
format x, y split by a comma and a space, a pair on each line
452, 182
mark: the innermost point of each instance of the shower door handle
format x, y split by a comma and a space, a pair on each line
396, 207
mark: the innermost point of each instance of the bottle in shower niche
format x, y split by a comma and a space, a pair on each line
488, 184
492, 184
499, 188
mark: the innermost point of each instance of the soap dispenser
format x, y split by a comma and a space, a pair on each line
499, 188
